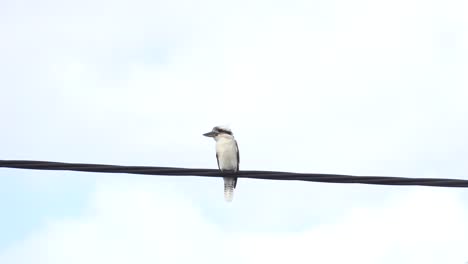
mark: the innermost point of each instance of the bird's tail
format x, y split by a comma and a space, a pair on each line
229, 185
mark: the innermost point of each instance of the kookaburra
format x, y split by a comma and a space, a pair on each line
227, 155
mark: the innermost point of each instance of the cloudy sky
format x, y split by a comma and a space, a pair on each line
357, 87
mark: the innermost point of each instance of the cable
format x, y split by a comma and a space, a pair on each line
265, 175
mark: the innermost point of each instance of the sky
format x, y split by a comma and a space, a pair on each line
350, 87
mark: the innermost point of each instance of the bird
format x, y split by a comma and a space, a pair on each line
227, 156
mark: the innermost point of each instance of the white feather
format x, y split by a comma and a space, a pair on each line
228, 189
226, 151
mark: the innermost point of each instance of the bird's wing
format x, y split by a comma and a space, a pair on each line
238, 159
217, 160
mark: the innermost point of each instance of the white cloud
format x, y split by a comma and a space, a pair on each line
327, 86
153, 223
371, 80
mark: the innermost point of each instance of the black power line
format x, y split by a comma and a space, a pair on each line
265, 175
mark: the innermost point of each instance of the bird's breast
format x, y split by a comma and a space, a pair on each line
227, 154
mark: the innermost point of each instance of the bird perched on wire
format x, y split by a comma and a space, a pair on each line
227, 155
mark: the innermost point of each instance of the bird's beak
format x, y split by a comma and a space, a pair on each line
210, 134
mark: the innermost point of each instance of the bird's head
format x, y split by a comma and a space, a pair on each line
219, 131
